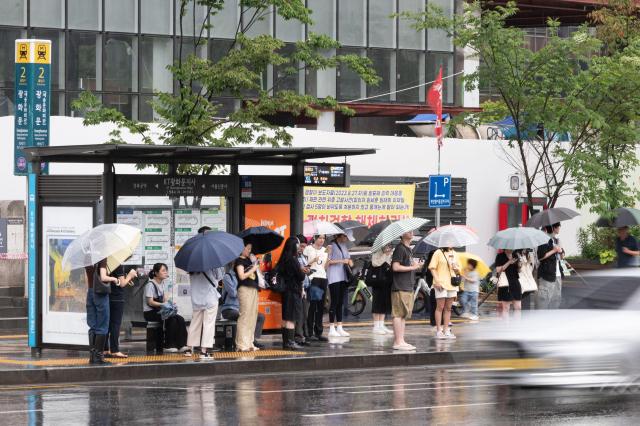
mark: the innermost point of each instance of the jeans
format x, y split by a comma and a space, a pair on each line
97, 312
232, 315
338, 293
549, 294
175, 330
314, 317
116, 310
469, 300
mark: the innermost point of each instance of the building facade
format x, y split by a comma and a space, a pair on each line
119, 49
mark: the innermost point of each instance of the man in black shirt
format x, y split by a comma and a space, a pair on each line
403, 268
549, 292
627, 249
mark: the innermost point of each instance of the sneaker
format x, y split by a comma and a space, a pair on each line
474, 317
334, 333
440, 335
449, 335
184, 349
387, 329
404, 347
171, 350
322, 339
465, 315
379, 330
341, 331
258, 344
205, 356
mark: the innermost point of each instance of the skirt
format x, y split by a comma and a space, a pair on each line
511, 293
291, 306
381, 300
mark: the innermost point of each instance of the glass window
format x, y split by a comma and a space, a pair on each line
192, 21
290, 31
381, 25
57, 104
12, 12
321, 83
437, 39
47, 13
121, 102
409, 38
156, 17
225, 22
57, 55
323, 17
218, 49
383, 61
256, 22
7, 59
146, 113
120, 66
434, 61
156, 53
121, 15
350, 86
410, 72
84, 14
352, 19
83, 61
283, 79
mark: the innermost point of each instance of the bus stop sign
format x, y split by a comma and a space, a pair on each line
439, 191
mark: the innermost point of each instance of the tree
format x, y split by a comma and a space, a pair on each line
559, 98
190, 116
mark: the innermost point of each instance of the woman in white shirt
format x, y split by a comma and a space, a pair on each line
317, 256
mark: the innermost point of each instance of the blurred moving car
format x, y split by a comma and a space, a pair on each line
593, 342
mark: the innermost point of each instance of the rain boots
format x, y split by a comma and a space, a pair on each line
97, 356
288, 342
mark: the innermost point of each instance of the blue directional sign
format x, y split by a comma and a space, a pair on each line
439, 191
32, 99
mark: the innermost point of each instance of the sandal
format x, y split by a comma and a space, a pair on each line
118, 355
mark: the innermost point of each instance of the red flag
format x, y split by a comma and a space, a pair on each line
434, 98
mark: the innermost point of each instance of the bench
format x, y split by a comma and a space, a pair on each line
155, 335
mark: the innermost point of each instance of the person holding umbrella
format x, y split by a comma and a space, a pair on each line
293, 274
204, 302
549, 293
116, 311
100, 251
317, 257
627, 249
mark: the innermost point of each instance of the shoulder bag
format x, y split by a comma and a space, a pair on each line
100, 287
525, 276
457, 279
350, 276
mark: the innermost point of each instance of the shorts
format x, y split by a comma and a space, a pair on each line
444, 293
401, 304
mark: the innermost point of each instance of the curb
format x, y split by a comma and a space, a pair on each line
220, 368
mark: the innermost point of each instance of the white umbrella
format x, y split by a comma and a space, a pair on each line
320, 227
452, 236
518, 238
395, 230
113, 241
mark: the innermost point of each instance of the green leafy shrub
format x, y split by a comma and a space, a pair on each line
593, 241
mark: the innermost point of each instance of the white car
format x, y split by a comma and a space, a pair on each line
574, 347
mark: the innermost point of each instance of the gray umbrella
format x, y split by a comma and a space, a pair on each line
550, 216
518, 238
624, 216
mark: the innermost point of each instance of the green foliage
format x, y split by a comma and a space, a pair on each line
564, 88
593, 241
607, 256
191, 116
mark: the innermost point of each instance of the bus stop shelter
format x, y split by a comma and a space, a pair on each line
61, 207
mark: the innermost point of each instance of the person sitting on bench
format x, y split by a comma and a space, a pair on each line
231, 306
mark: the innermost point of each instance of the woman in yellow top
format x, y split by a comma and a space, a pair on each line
444, 265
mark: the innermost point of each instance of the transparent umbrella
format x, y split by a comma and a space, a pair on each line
452, 236
112, 241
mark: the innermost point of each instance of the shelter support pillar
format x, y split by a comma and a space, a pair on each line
108, 193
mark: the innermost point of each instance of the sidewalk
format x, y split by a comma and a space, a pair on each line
361, 350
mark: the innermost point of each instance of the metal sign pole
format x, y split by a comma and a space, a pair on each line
438, 209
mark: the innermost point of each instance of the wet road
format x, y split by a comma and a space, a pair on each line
443, 395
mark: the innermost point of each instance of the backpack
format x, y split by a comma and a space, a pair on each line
377, 276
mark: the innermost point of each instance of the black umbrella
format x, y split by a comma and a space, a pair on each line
624, 216
423, 248
262, 239
550, 216
358, 230
374, 231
